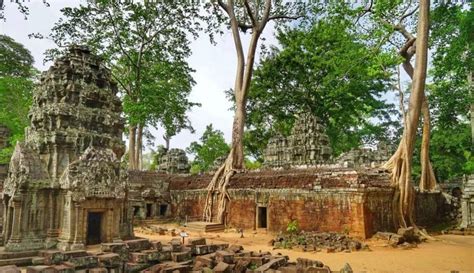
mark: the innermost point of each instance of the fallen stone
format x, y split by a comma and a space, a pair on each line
165, 256
152, 255
110, 259
138, 257
197, 241
181, 256
38, 261
273, 264
98, 270
408, 234
323, 269
39, 269
201, 249
304, 263
52, 256
346, 269
134, 267
224, 256
64, 268
235, 248
9, 269
84, 262
113, 247
222, 267
138, 244
156, 245
206, 260
241, 266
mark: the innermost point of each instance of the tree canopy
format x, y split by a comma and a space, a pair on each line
212, 146
16, 84
326, 69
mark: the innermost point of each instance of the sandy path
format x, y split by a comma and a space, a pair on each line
450, 252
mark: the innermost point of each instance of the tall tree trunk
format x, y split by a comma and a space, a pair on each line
139, 147
401, 161
428, 178
167, 142
235, 160
471, 86
131, 147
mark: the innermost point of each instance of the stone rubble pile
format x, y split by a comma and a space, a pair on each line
143, 255
312, 241
405, 238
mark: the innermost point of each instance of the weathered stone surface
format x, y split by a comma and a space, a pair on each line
173, 161
197, 241
308, 144
222, 267
224, 256
138, 244
110, 259
40, 269
71, 153
365, 157
181, 256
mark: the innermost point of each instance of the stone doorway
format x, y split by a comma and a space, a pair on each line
262, 217
149, 210
163, 209
94, 228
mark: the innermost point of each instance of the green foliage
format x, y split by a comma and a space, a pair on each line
252, 165
16, 84
292, 227
146, 45
212, 146
326, 69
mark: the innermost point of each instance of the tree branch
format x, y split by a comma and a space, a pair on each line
250, 13
286, 17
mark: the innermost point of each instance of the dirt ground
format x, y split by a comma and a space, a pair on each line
449, 253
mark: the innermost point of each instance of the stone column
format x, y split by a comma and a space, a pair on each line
78, 241
16, 224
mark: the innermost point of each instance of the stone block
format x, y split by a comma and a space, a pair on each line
40, 269
98, 270
113, 247
110, 259
52, 256
64, 268
84, 262
138, 257
304, 263
181, 256
134, 267
138, 244
201, 249
205, 260
152, 255
216, 247
222, 267
9, 269
241, 266
235, 248
313, 269
156, 245
256, 261
165, 256
38, 261
273, 264
74, 254
224, 256
197, 241
176, 269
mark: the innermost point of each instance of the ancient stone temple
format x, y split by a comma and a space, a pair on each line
65, 187
308, 144
173, 161
467, 204
365, 157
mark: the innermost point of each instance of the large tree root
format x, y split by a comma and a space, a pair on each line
218, 188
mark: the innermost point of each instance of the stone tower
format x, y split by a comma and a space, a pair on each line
65, 187
307, 145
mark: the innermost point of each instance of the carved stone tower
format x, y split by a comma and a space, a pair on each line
65, 187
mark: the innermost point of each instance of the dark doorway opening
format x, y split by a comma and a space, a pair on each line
94, 226
148, 210
136, 210
163, 209
262, 217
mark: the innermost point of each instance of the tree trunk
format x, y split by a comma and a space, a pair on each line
167, 142
131, 147
138, 147
401, 161
427, 179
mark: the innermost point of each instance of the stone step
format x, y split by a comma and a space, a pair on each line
205, 227
23, 261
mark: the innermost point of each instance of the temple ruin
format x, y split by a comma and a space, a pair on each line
307, 145
65, 186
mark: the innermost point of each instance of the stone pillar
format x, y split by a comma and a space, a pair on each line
78, 241
467, 204
16, 224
